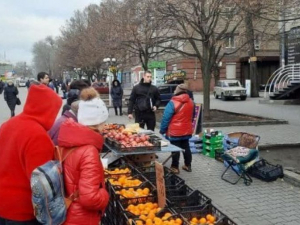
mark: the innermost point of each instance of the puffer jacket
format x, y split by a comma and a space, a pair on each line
83, 171
177, 119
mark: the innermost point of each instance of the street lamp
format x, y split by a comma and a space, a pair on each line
110, 62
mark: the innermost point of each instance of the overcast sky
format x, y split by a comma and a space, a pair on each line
24, 22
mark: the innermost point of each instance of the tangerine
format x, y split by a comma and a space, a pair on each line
202, 220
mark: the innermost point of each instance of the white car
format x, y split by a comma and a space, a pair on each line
227, 89
22, 83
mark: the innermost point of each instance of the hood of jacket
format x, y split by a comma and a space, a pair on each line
113, 83
72, 134
182, 97
42, 105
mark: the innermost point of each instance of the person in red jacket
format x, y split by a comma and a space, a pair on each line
176, 124
83, 170
25, 145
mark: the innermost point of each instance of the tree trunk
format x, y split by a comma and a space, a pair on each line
206, 77
252, 55
216, 74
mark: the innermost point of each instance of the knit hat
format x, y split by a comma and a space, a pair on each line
92, 112
181, 88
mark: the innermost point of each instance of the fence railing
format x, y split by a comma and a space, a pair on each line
282, 77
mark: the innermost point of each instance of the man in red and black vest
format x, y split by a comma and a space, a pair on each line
176, 124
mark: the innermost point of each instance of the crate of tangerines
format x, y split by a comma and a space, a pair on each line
150, 214
209, 215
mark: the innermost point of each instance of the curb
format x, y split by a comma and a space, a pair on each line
244, 123
272, 146
291, 178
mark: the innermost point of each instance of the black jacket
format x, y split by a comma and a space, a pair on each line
1, 87
140, 91
116, 91
10, 95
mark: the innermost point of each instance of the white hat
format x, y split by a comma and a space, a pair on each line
92, 112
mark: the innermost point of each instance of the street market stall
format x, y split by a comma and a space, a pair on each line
149, 193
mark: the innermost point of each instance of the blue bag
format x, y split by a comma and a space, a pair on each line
48, 194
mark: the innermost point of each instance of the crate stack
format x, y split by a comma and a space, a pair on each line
183, 203
195, 143
213, 144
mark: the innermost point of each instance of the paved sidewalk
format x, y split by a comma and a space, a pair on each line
260, 203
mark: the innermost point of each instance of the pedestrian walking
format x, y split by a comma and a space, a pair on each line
10, 96
28, 83
144, 100
1, 86
83, 171
56, 85
116, 93
64, 89
25, 145
176, 125
73, 94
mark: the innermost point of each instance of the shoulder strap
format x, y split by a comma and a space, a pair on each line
60, 155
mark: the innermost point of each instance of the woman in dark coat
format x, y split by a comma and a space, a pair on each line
10, 96
116, 93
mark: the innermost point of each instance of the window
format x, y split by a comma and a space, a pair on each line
230, 42
219, 84
164, 89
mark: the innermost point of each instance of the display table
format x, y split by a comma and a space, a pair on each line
142, 155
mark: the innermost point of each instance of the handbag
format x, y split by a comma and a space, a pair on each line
18, 102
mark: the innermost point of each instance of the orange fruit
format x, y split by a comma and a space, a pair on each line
143, 217
202, 220
167, 215
138, 222
194, 220
149, 222
212, 219
146, 191
151, 215
178, 221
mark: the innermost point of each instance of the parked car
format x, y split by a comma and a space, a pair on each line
101, 87
229, 89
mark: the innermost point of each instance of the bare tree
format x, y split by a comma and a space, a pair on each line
203, 25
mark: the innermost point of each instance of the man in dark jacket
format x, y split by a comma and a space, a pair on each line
145, 100
1, 87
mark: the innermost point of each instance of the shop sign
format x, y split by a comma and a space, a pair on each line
177, 75
160, 184
197, 120
156, 64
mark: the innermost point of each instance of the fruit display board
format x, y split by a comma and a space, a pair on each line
134, 200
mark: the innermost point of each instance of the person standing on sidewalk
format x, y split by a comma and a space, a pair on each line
116, 93
176, 124
25, 145
10, 96
145, 100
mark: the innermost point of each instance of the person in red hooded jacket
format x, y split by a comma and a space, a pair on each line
25, 145
176, 124
83, 171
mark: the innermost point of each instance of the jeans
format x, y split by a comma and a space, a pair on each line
13, 222
183, 144
146, 118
